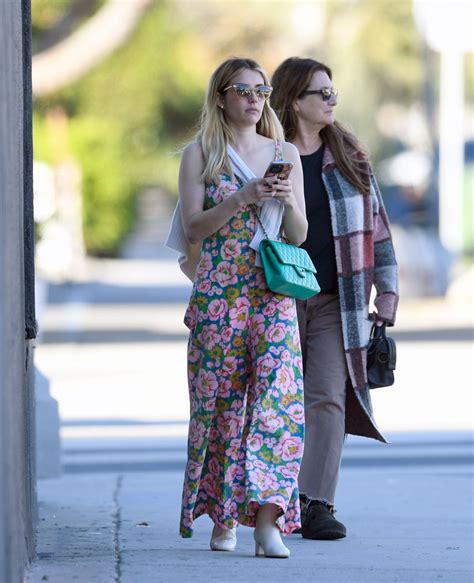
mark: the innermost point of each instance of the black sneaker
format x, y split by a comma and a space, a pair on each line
319, 523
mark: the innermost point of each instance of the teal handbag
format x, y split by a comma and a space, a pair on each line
288, 269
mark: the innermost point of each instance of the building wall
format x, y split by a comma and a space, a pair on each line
17, 480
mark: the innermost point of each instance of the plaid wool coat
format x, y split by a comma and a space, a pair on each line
364, 258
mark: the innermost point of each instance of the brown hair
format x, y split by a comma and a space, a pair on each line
290, 80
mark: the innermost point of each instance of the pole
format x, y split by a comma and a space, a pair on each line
451, 150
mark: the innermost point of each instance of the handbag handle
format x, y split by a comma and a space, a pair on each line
378, 332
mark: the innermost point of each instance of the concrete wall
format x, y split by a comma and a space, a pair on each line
17, 490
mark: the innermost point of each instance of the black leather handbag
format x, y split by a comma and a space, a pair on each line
381, 358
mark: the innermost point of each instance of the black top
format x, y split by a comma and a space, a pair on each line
320, 241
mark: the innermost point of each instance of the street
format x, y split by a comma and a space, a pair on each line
114, 349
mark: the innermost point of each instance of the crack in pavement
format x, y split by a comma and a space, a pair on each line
117, 523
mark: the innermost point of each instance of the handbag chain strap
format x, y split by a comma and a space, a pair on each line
257, 214
279, 156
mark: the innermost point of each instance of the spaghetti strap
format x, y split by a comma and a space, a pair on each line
278, 150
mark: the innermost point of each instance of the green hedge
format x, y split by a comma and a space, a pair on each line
108, 193
107, 190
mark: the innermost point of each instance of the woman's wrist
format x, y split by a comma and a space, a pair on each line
290, 205
238, 199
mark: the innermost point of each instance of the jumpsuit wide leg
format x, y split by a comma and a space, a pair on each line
245, 439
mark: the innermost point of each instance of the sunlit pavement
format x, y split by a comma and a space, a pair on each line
114, 349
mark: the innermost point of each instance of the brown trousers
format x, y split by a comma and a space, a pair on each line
325, 376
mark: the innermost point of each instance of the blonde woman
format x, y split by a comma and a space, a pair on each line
244, 359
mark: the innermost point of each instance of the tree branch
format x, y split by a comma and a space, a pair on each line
72, 58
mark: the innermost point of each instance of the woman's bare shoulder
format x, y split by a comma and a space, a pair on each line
192, 158
192, 150
290, 151
264, 142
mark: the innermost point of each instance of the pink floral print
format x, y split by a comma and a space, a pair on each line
246, 385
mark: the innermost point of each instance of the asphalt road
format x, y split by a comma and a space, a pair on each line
113, 346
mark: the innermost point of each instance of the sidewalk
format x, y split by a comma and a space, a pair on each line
408, 522
113, 347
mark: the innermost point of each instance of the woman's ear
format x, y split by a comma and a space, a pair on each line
296, 106
220, 101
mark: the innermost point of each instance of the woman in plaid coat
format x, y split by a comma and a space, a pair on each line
350, 244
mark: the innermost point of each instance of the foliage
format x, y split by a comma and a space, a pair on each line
108, 203
107, 189
54, 20
126, 118
152, 90
130, 115
374, 51
45, 14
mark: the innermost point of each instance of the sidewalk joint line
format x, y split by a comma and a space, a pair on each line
116, 526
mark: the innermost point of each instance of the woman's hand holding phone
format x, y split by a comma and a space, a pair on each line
274, 184
255, 191
277, 175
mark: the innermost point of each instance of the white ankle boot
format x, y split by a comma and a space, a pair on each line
267, 536
268, 543
223, 539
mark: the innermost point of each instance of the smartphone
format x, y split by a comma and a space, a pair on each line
280, 169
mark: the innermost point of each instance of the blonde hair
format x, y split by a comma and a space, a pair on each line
214, 133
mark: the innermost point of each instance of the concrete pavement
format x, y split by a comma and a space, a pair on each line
114, 348
408, 522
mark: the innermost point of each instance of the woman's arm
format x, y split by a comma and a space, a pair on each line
291, 193
198, 223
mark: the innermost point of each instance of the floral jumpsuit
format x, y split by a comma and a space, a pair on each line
245, 381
